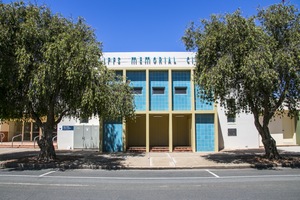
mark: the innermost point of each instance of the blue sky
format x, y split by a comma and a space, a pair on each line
148, 25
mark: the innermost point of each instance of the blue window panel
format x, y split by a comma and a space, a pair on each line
181, 79
201, 104
205, 132
112, 137
138, 79
158, 79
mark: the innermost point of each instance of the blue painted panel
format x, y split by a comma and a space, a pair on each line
205, 132
181, 79
112, 137
159, 79
138, 79
201, 104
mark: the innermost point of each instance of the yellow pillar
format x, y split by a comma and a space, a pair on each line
193, 107
147, 133
170, 112
170, 132
147, 112
193, 133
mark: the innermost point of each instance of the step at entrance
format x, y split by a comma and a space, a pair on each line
183, 149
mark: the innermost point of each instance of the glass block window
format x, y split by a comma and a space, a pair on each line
137, 90
180, 90
158, 90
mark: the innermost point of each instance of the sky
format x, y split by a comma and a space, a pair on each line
148, 25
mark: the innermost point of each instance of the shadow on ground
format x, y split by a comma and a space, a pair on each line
65, 160
255, 157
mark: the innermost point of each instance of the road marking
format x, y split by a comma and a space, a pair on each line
45, 174
215, 175
173, 163
150, 162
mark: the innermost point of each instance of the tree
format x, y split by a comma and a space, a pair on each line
50, 68
254, 61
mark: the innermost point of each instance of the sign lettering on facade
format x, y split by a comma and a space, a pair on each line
115, 59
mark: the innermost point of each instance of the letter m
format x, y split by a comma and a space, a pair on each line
147, 61
133, 61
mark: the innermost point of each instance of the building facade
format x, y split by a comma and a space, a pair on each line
170, 116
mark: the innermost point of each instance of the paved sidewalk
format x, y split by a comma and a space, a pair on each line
27, 159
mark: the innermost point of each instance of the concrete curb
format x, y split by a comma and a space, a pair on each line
39, 166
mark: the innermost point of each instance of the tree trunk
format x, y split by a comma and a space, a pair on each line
270, 148
47, 151
268, 142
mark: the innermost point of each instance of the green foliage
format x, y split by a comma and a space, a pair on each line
254, 60
49, 66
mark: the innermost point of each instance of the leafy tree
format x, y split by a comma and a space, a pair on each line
255, 61
50, 68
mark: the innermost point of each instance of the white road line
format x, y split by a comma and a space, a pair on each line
45, 174
151, 162
215, 175
173, 163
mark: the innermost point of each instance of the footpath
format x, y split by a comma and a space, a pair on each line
26, 159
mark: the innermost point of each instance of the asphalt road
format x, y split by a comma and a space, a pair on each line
151, 184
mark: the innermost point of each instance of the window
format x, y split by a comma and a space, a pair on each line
158, 90
180, 90
232, 132
230, 118
137, 90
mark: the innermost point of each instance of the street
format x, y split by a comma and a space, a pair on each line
280, 183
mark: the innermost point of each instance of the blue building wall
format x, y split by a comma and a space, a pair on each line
181, 79
138, 79
201, 104
158, 79
112, 137
205, 133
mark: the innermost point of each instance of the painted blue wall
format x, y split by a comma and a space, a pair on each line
158, 79
138, 79
181, 79
201, 104
112, 137
205, 133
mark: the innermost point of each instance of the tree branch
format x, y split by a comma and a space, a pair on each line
61, 116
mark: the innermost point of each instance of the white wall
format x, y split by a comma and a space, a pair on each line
65, 138
247, 135
283, 131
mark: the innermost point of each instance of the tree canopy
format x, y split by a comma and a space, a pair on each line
254, 61
50, 68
